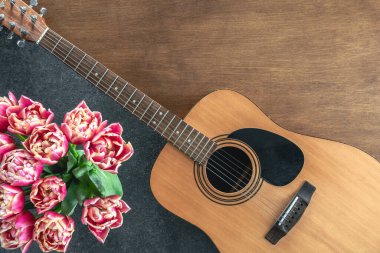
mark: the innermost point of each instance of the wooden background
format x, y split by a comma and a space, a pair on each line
312, 66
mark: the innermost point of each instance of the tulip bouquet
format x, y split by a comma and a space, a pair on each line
44, 175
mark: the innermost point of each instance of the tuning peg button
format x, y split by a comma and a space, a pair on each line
13, 2
21, 43
10, 35
2, 16
12, 25
23, 10
33, 3
33, 18
23, 31
43, 11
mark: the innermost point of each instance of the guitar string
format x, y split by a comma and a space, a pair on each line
212, 160
243, 177
169, 125
56, 45
163, 120
221, 150
209, 159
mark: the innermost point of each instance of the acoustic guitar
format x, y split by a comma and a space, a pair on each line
251, 185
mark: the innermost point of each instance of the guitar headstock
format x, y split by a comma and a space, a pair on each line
21, 19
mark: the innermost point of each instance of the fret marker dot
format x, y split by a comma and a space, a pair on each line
177, 132
160, 113
96, 74
134, 101
154, 122
189, 140
116, 88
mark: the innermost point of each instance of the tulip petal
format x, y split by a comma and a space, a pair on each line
101, 235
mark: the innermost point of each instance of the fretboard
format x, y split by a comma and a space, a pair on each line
186, 138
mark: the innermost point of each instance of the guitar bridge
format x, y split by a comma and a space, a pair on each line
292, 213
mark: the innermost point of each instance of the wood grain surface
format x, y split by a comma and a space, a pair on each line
312, 66
343, 212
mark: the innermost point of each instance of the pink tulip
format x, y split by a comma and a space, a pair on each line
47, 192
11, 200
17, 231
101, 215
6, 144
81, 124
20, 168
53, 231
108, 149
27, 115
47, 143
6, 102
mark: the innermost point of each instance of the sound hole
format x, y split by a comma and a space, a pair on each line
229, 169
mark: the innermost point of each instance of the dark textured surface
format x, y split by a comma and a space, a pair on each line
148, 227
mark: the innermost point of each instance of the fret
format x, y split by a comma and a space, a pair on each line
162, 134
191, 143
154, 115
161, 121
180, 134
212, 145
200, 152
186, 138
184, 141
96, 63
133, 112
118, 95
68, 53
56, 44
112, 84
175, 129
80, 62
196, 147
142, 115
105, 72
126, 104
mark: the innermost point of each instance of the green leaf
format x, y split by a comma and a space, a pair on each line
84, 192
70, 202
66, 177
57, 208
52, 169
107, 184
22, 138
48, 169
82, 161
62, 163
72, 162
81, 173
80, 152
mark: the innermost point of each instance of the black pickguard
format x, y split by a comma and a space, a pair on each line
281, 160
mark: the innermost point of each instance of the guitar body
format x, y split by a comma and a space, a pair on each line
342, 216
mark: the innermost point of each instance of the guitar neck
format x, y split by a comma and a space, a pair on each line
186, 138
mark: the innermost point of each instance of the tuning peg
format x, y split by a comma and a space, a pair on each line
2, 16
10, 36
12, 25
13, 2
23, 10
33, 18
43, 11
2, 5
21, 43
23, 31
33, 3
